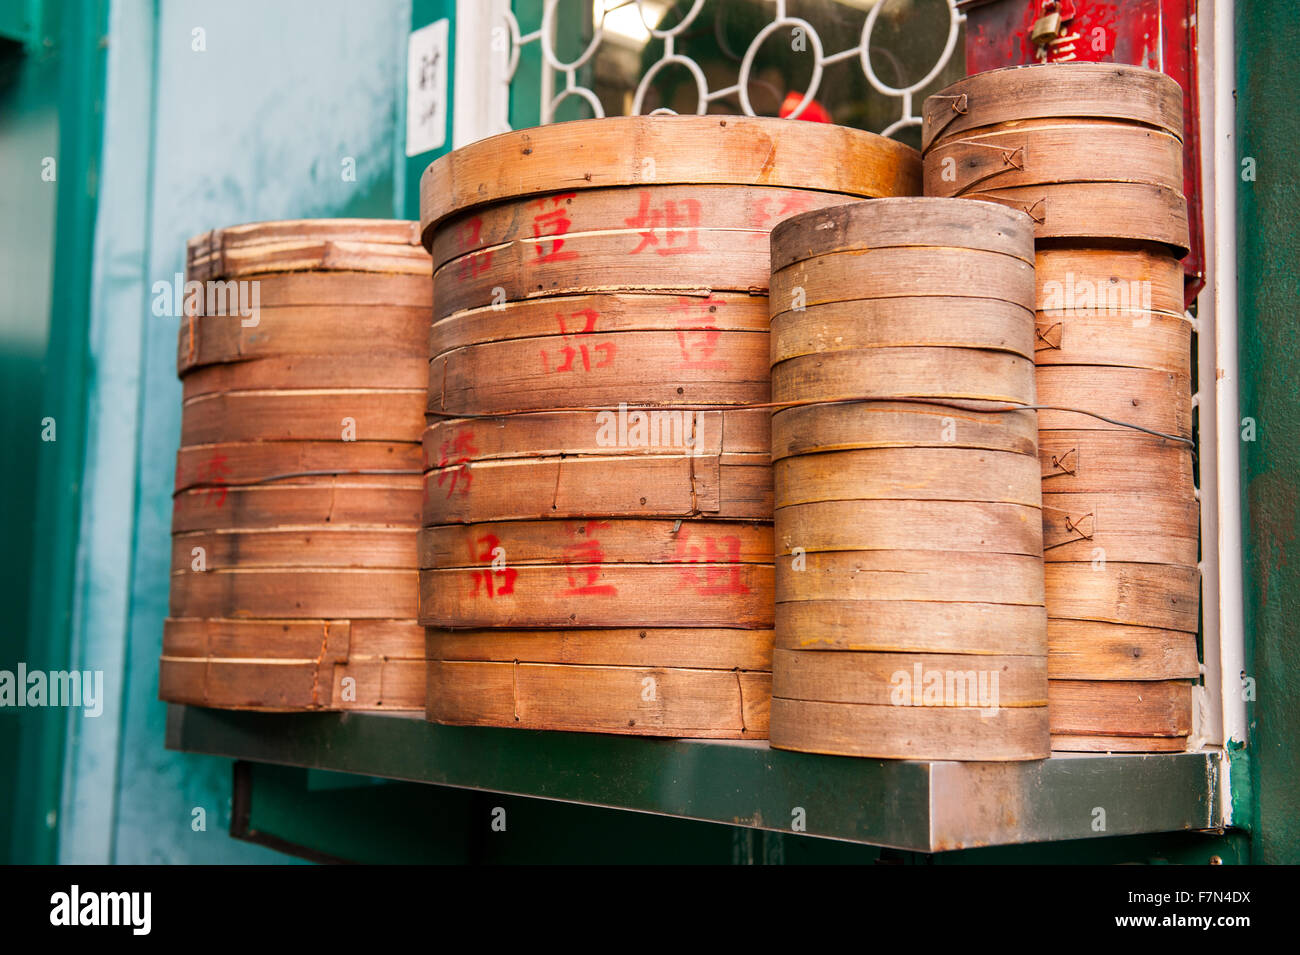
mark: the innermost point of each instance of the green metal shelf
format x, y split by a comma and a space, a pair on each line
926, 806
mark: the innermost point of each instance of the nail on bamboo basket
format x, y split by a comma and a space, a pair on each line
910, 616
597, 549
297, 501
1093, 153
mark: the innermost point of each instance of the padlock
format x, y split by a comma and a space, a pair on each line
1046, 28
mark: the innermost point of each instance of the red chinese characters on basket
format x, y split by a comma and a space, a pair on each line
677, 219
580, 351
213, 474
496, 579
583, 560
712, 566
454, 457
549, 225
697, 335
477, 261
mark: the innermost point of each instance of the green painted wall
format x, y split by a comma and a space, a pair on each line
250, 119
1268, 260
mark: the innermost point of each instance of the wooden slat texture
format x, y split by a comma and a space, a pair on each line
295, 593
909, 474
961, 373
1135, 211
331, 546
642, 701
937, 575
579, 316
309, 372
911, 679
1091, 650
1062, 743
943, 526
902, 273
893, 322
1120, 462
683, 647
391, 502
1122, 94
1052, 151
663, 217
594, 154
1120, 708
1126, 339
601, 595
887, 424
1143, 595
907, 222
1147, 528
1158, 400
1081, 277
910, 732
596, 542
233, 462
361, 245
304, 415
920, 626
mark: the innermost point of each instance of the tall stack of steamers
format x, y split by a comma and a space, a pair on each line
929, 498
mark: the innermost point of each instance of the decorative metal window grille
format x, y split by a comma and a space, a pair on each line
643, 26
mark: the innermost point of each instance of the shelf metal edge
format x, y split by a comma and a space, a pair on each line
905, 804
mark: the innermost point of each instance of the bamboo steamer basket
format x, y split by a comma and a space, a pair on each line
1093, 154
1020, 136
909, 533
601, 334
295, 558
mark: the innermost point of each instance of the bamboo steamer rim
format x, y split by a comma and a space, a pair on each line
1054, 90
594, 153
914, 221
367, 245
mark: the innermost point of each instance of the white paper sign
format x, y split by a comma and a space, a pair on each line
426, 88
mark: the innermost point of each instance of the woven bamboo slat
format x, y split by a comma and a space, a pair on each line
860, 526
1131, 340
1086, 278
919, 626
1130, 528
1120, 708
893, 424
909, 474
691, 648
1107, 91
664, 218
295, 579
1159, 400
1062, 743
1038, 152
642, 701
910, 732
1164, 596
1092, 650
882, 323
966, 374
294, 664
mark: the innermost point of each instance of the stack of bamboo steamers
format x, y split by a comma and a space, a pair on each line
597, 550
1093, 154
297, 499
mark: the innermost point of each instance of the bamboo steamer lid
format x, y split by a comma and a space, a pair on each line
641, 701
665, 150
295, 558
1109, 91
